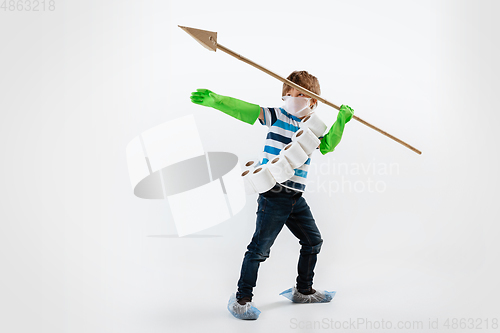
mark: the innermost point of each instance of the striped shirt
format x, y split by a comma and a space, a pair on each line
282, 125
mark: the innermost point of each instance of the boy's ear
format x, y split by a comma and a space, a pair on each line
315, 103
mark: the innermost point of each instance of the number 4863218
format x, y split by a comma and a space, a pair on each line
28, 5
471, 323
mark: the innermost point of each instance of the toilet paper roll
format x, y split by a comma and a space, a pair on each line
295, 155
262, 179
247, 181
280, 169
307, 140
250, 164
314, 123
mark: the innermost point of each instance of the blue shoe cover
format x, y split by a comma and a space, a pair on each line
247, 311
320, 296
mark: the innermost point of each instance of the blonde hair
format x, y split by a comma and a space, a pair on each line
303, 79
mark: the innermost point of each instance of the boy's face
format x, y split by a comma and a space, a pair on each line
295, 93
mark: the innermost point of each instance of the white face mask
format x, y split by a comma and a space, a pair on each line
297, 106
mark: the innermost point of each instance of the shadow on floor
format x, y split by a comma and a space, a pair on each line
274, 305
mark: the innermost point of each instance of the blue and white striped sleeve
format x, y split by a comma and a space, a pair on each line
269, 116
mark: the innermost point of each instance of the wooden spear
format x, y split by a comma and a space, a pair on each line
209, 40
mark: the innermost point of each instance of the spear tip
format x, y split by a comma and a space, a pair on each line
206, 38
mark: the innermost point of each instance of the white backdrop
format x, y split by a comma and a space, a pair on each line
81, 253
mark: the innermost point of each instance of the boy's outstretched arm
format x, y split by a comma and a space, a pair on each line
246, 112
334, 135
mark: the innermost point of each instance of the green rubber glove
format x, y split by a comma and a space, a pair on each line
332, 138
236, 108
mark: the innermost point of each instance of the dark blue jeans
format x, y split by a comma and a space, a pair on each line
277, 207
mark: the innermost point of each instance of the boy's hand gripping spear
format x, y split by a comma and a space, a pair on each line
209, 40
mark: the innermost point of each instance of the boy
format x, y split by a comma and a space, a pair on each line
283, 204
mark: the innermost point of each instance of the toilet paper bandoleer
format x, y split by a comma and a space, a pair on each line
273, 208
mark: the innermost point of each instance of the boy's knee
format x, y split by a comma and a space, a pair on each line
312, 249
317, 247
